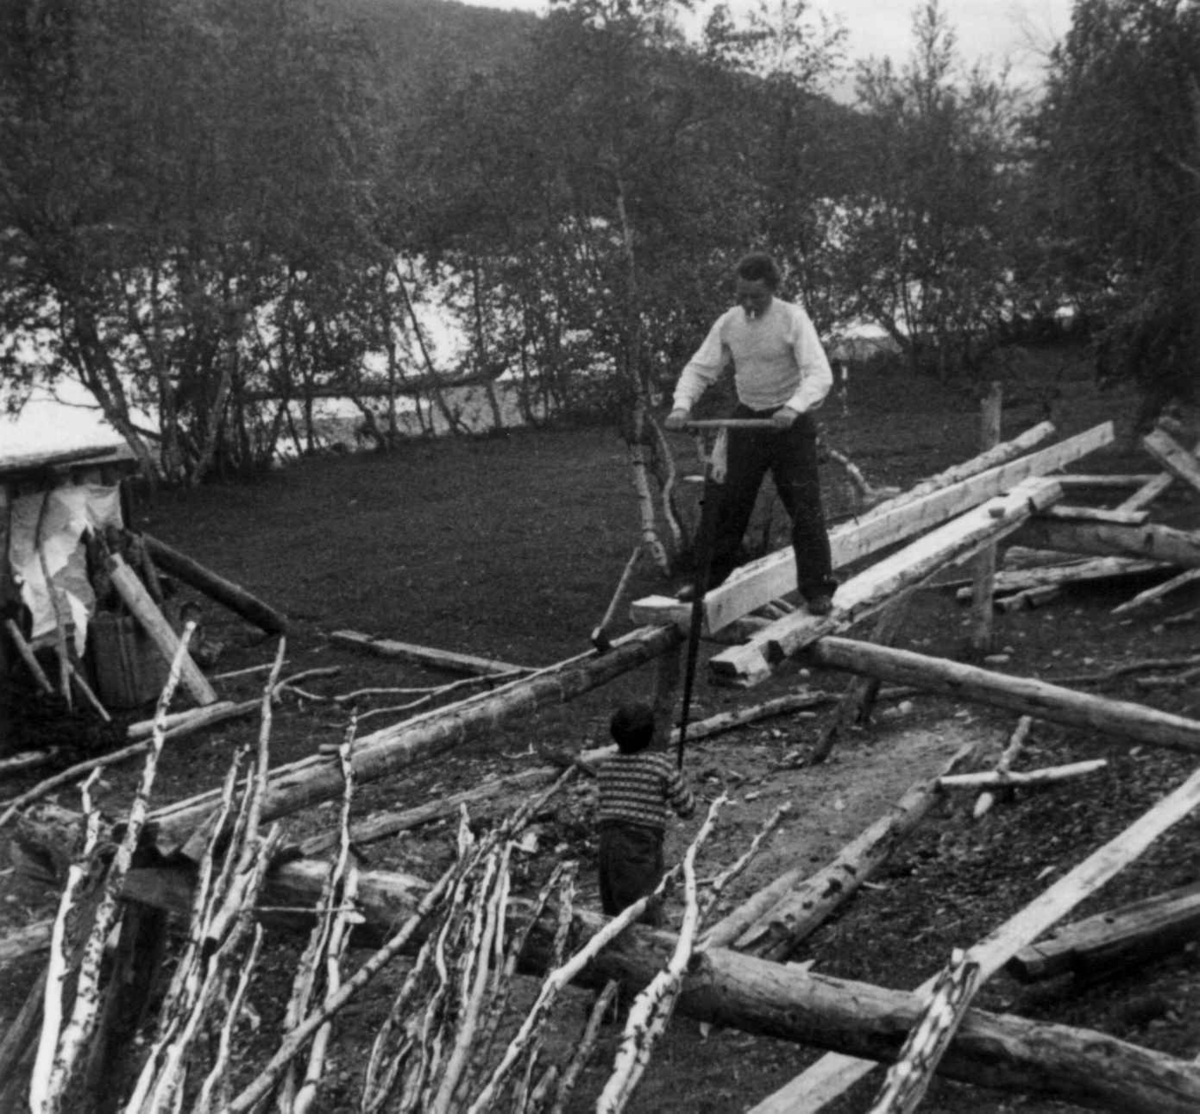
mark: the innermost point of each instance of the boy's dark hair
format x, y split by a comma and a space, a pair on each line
758, 266
632, 727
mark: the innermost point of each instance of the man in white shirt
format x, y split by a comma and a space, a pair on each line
781, 373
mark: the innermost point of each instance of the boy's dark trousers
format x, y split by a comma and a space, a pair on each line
790, 455
631, 866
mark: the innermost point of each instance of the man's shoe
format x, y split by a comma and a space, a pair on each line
821, 604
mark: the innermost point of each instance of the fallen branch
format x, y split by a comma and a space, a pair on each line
1124, 670
1178, 681
998, 779
1152, 595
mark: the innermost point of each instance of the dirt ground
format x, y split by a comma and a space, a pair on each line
509, 548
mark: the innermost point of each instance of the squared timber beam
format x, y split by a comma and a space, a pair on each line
862, 595
774, 575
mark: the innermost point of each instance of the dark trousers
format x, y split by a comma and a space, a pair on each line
790, 455
631, 866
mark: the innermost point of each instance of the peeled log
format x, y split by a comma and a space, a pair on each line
225, 592
1024, 695
814, 899
313, 780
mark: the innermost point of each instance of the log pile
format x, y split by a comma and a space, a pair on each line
449, 1041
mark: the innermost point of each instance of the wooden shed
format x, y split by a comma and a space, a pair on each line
48, 502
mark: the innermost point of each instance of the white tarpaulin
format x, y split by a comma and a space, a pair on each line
55, 520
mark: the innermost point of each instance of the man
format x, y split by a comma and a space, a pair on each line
780, 373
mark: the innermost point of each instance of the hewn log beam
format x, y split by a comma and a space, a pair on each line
919, 509
1024, 695
873, 588
1136, 932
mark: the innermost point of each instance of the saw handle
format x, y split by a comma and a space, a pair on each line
731, 423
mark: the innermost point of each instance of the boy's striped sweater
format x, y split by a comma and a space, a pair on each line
637, 788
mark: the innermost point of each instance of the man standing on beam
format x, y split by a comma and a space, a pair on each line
781, 375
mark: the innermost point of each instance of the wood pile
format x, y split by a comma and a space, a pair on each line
454, 1038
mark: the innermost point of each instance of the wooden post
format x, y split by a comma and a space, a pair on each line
667, 671
983, 585
859, 698
138, 600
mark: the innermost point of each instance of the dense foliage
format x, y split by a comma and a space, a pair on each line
1120, 159
221, 212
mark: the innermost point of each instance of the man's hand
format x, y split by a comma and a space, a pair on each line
784, 417
676, 420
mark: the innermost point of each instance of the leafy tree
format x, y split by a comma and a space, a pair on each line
926, 243
1119, 154
172, 169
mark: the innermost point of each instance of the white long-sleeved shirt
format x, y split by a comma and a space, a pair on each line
777, 359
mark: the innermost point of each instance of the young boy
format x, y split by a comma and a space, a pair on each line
636, 786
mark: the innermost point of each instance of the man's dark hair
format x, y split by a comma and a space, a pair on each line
632, 727
758, 266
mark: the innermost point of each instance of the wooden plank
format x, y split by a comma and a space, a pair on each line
925, 506
1151, 541
424, 655
831, 1076
1141, 929
862, 595
1173, 457
1121, 719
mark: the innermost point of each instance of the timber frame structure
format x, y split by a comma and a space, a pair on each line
729, 972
